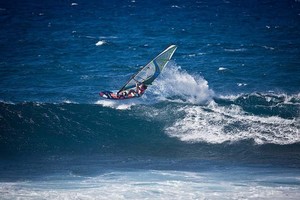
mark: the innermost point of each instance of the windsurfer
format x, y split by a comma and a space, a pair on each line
139, 91
140, 88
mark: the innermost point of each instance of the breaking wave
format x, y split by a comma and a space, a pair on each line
263, 118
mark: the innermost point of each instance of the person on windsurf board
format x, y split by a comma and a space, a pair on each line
138, 83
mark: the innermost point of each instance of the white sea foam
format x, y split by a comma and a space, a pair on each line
108, 37
235, 50
176, 84
222, 68
100, 43
87, 36
153, 184
218, 124
119, 105
7, 102
269, 48
241, 84
69, 102
175, 6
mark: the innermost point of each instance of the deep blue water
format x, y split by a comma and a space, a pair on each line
221, 121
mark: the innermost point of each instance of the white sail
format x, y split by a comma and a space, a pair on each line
151, 71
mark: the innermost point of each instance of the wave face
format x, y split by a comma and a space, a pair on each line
245, 125
179, 116
178, 113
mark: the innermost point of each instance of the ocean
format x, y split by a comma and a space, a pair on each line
222, 121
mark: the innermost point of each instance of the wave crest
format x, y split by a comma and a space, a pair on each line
217, 123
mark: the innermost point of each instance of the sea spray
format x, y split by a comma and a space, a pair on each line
177, 85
